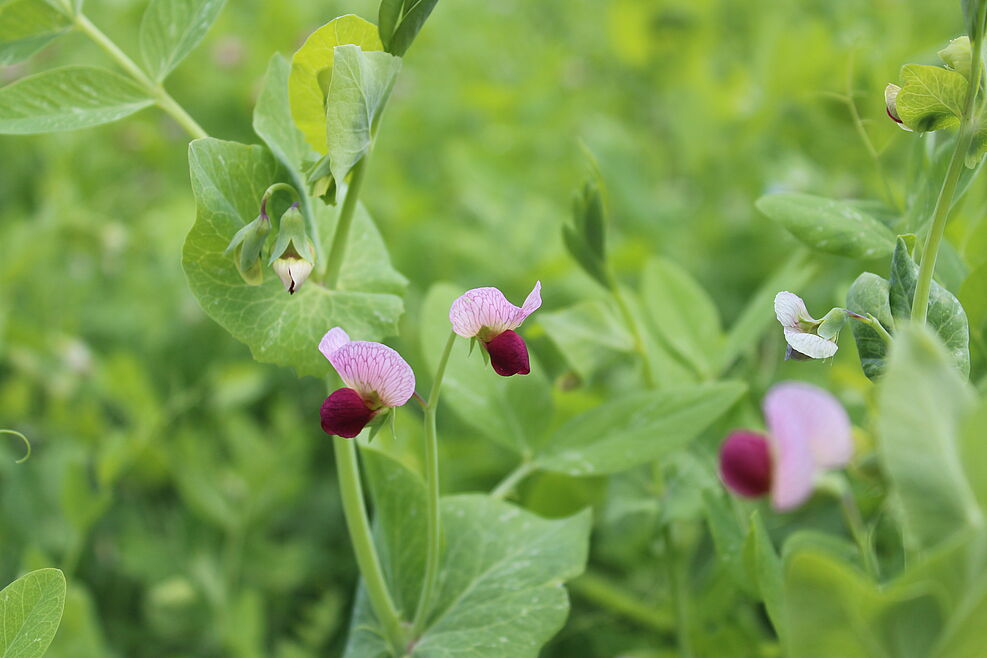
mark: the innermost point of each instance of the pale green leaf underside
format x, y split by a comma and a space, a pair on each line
512, 411
228, 180
27, 26
500, 591
30, 611
170, 30
922, 403
272, 117
361, 83
829, 226
311, 72
869, 294
66, 99
931, 97
635, 429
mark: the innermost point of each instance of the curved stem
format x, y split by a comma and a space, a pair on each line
355, 511
155, 90
631, 322
432, 492
601, 591
338, 250
27, 444
874, 324
944, 202
506, 486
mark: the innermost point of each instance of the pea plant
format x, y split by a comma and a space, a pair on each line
691, 465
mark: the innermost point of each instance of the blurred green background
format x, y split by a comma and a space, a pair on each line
189, 493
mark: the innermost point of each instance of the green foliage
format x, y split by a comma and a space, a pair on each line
312, 69
171, 29
931, 97
30, 610
870, 294
27, 26
400, 21
829, 226
228, 180
68, 98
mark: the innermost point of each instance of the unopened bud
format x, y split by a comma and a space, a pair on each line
891, 104
293, 256
249, 243
958, 55
293, 270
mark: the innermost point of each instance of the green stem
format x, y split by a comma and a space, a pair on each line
874, 324
632, 327
854, 521
434, 521
155, 90
269, 192
944, 202
27, 444
506, 486
338, 250
679, 596
355, 511
601, 591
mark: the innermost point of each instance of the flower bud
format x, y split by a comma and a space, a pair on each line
250, 241
293, 256
831, 323
958, 55
745, 464
891, 105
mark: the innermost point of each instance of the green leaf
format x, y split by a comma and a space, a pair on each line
589, 335
869, 295
272, 117
762, 561
922, 402
228, 180
30, 611
682, 315
635, 429
498, 592
973, 295
27, 26
829, 226
415, 14
387, 20
311, 72
512, 411
171, 29
945, 315
66, 99
931, 97
361, 83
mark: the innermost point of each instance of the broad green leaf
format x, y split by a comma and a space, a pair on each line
171, 29
272, 117
682, 315
66, 99
228, 180
590, 336
869, 294
965, 634
946, 315
762, 562
27, 26
973, 295
512, 411
931, 97
922, 402
361, 83
388, 17
498, 591
30, 611
311, 72
635, 429
829, 226
416, 12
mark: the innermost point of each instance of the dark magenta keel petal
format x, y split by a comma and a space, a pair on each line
508, 354
344, 413
745, 464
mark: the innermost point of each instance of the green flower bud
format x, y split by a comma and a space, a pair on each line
831, 323
957, 55
249, 243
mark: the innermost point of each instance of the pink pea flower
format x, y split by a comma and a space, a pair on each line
801, 329
485, 314
808, 433
376, 379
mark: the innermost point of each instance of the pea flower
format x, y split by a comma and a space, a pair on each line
807, 337
486, 315
376, 377
808, 433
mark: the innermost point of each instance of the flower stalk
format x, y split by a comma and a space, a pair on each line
337, 253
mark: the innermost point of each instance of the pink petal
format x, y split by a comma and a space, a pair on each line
486, 309
789, 308
799, 411
332, 341
810, 345
374, 369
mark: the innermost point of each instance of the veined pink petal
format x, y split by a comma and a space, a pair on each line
789, 309
796, 411
332, 341
487, 309
372, 368
810, 345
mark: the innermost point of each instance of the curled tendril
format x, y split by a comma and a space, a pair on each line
23, 438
